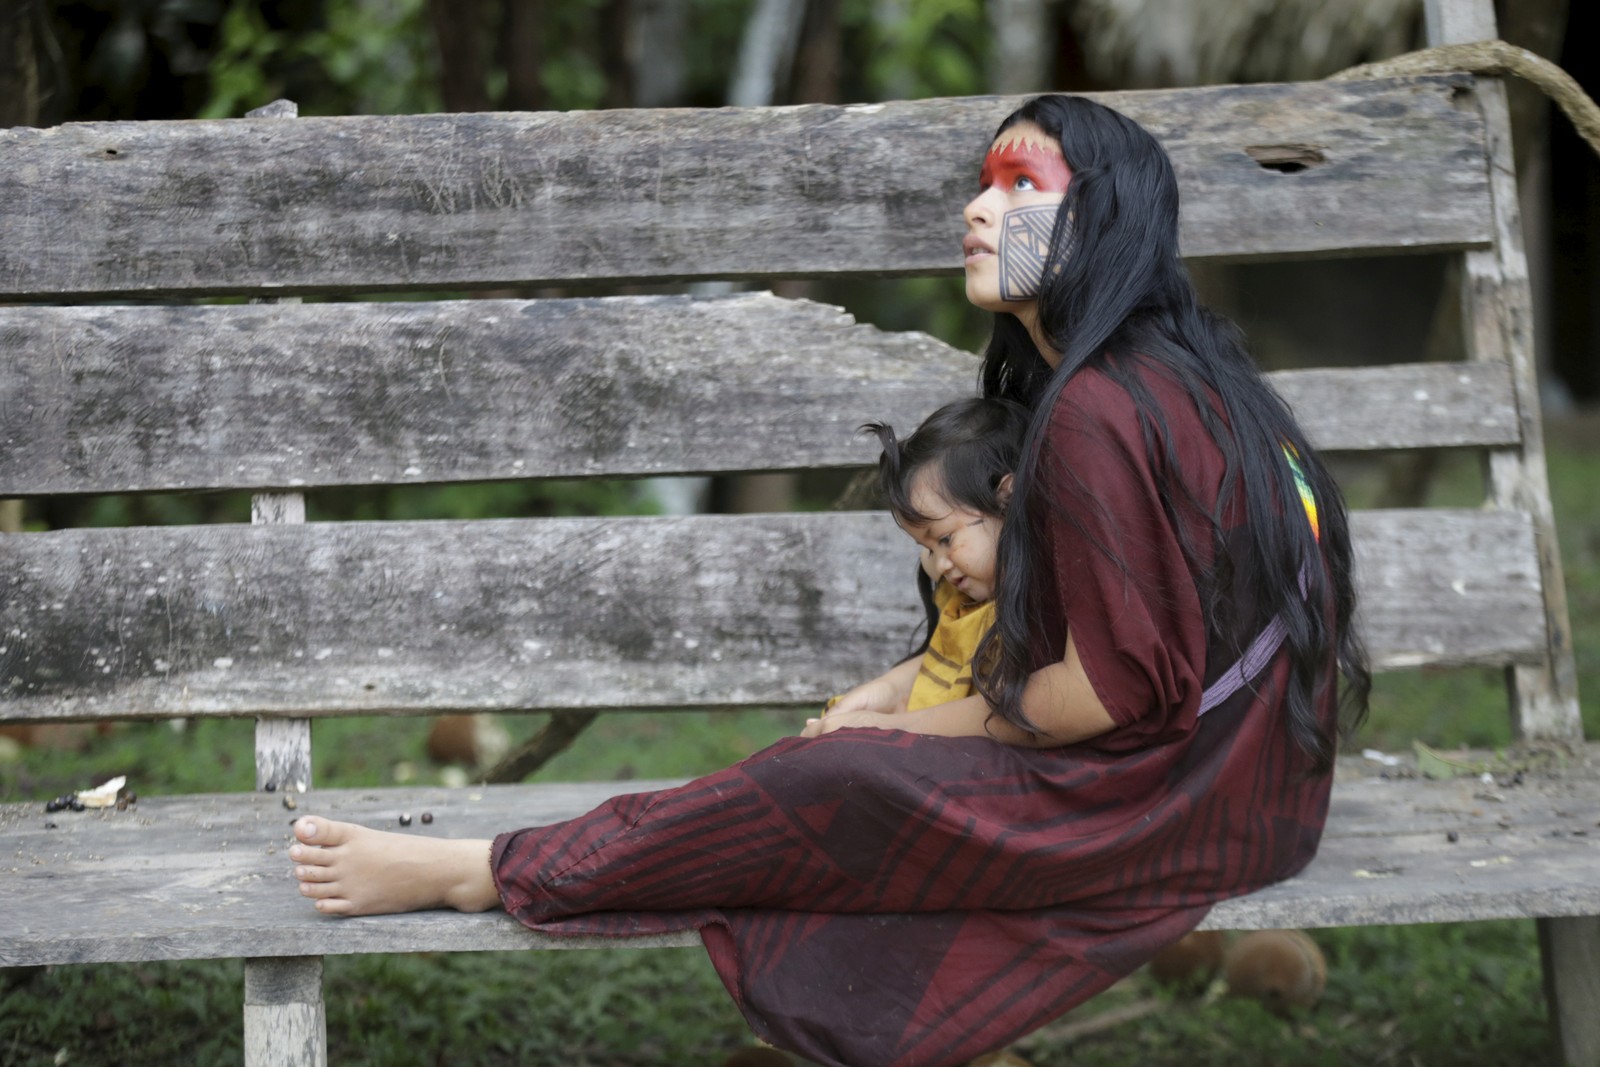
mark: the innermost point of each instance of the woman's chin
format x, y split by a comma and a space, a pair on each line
985, 295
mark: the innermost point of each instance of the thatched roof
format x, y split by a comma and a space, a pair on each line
1149, 43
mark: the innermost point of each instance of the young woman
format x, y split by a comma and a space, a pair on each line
1155, 734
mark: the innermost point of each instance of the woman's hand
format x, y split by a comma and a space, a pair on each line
838, 720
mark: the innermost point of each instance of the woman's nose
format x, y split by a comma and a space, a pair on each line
978, 211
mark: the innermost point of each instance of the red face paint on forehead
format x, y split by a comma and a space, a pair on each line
1020, 158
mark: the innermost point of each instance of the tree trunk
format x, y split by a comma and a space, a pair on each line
1020, 46
655, 52
816, 78
614, 18
458, 27
19, 68
522, 54
766, 55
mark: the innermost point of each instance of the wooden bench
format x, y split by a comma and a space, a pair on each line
112, 380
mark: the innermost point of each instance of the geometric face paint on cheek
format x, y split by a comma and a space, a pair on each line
1025, 249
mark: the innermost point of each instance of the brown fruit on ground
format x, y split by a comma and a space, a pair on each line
1283, 969
1190, 962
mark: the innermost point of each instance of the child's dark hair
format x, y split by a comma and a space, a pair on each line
971, 445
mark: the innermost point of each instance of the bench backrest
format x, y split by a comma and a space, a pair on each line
289, 621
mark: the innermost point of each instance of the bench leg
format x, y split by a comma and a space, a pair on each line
284, 1021
1571, 952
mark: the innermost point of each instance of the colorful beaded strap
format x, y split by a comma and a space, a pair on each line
1267, 642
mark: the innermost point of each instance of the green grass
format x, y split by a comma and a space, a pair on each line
1432, 996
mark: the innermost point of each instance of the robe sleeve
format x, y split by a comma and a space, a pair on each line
1119, 579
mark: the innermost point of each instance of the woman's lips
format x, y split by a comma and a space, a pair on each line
974, 247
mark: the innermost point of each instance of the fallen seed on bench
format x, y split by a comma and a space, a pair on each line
271, 787
427, 817
405, 820
290, 803
1452, 837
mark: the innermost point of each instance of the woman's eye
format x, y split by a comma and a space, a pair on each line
944, 542
1025, 183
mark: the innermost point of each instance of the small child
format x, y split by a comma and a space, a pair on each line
947, 486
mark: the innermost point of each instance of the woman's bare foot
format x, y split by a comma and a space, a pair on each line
352, 870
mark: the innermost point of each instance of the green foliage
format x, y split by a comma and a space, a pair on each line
363, 57
1433, 996
480, 500
627, 1007
918, 48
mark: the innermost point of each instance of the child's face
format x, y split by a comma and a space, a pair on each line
958, 545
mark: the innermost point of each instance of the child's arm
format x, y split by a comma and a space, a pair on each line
1058, 699
886, 694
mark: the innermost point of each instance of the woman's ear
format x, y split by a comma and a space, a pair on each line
1002, 492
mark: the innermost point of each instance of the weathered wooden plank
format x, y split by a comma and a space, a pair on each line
1570, 951
285, 1022
699, 611
283, 746
458, 201
1431, 579
207, 876
1498, 305
124, 399
111, 399
1412, 405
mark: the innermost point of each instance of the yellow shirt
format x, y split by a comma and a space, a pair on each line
946, 670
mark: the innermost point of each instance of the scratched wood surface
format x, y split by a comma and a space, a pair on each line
699, 611
207, 876
120, 399
482, 200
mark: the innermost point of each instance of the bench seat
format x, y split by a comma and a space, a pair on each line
185, 877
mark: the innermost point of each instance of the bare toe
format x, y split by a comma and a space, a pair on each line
318, 890
316, 831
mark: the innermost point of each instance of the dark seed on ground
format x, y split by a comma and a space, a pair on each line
290, 803
1452, 837
427, 817
405, 820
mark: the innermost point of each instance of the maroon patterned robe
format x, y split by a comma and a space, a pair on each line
875, 897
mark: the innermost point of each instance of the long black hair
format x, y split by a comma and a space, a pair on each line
971, 446
1117, 294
